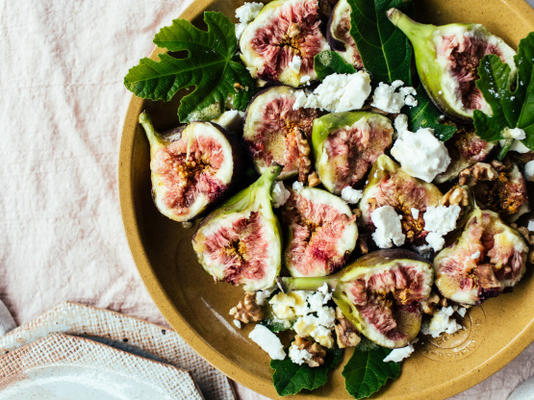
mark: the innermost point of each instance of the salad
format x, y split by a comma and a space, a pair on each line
363, 177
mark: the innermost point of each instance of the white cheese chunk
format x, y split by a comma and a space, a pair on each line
237, 323
388, 230
415, 213
397, 355
230, 119
530, 225
262, 295
438, 222
280, 194
529, 171
351, 195
248, 11
391, 98
519, 147
297, 186
295, 64
515, 133
268, 341
441, 323
299, 356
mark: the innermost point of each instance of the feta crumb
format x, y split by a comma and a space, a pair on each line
435, 240
421, 154
309, 325
295, 64
230, 119
415, 213
401, 123
305, 80
387, 98
440, 323
237, 323
239, 29
461, 311
248, 11
397, 355
280, 194
268, 341
519, 147
515, 133
475, 255
529, 171
530, 225
299, 356
438, 222
297, 186
262, 295
388, 227
351, 195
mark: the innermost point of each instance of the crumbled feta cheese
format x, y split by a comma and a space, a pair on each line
475, 255
421, 154
268, 341
461, 311
310, 326
401, 123
239, 29
438, 222
299, 356
351, 195
529, 171
515, 133
519, 147
388, 227
230, 119
237, 323
289, 305
415, 213
387, 98
305, 80
530, 225
297, 186
248, 11
440, 323
280, 194
397, 355
435, 240
326, 292
295, 64
262, 295
326, 316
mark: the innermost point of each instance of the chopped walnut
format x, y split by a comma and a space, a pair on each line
362, 245
317, 351
429, 306
313, 180
247, 310
477, 172
527, 235
346, 332
458, 195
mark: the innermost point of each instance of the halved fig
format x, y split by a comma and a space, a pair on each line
322, 232
447, 59
339, 37
465, 148
345, 145
191, 167
488, 257
380, 293
275, 133
281, 43
239, 243
389, 185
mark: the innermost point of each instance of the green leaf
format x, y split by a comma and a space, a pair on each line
426, 115
329, 62
290, 378
386, 53
366, 373
210, 67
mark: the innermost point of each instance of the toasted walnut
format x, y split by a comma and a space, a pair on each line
313, 180
363, 246
458, 195
476, 173
523, 230
304, 162
346, 332
247, 310
429, 306
317, 351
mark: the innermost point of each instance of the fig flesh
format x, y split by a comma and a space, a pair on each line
488, 257
322, 232
282, 41
339, 37
191, 167
447, 59
239, 243
276, 133
345, 146
380, 293
389, 185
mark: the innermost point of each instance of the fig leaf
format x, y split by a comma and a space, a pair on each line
385, 51
329, 62
511, 97
366, 372
210, 66
290, 378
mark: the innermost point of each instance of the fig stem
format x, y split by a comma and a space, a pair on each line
408, 26
146, 122
505, 148
305, 283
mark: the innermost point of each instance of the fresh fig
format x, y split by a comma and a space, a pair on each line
239, 243
488, 257
322, 232
339, 37
345, 145
276, 133
191, 167
389, 185
282, 41
380, 293
447, 59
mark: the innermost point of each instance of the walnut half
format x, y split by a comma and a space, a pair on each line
317, 351
346, 332
247, 310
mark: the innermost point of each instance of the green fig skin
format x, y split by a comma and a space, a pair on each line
434, 76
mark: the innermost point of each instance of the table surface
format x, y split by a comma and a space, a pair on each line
61, 114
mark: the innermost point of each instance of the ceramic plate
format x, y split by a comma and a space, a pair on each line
198, 309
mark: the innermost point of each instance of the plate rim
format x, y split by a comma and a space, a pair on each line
158, 294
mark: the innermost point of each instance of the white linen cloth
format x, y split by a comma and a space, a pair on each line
61, 113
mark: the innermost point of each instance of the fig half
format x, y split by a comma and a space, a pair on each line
389, 185
380, 293
488, 257
322, 232
447, 59
281, 43
239, 243
339, 37
191, 167
345, 145
275, 133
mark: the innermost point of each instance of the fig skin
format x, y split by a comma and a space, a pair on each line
339, 37
326, 224
232, 240
455, 96
468, 272
407, 316
171, 183
389, 185
327, 130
